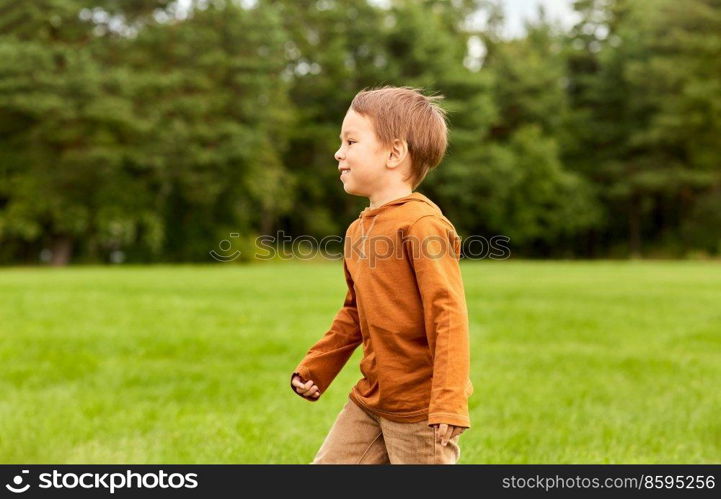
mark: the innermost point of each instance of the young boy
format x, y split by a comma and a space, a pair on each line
405, 301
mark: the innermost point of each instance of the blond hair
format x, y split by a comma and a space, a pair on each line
405, 113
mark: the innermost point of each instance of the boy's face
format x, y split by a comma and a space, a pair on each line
361, 158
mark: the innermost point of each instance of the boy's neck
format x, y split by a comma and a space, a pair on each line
396, 192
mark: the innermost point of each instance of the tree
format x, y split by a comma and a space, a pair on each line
635, 70
507, 178
66, 124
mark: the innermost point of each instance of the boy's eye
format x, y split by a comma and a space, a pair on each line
351, 142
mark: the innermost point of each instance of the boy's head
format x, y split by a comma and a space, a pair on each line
390, 135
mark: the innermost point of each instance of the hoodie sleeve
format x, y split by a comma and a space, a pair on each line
434, 250
327, 357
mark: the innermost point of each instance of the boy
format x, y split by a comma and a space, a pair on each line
405, 301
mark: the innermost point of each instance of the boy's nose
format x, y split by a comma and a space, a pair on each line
338, 155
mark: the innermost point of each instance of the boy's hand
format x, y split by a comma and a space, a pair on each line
307, 389
447, 432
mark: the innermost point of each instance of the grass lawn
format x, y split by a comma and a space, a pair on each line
572, 362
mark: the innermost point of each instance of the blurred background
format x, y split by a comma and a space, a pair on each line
149, 130
137, 137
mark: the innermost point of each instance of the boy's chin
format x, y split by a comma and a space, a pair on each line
350, 190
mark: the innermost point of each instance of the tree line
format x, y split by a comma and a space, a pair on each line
154, 129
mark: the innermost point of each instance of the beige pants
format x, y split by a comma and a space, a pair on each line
359, 437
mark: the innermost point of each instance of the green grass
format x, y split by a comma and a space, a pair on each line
572, 362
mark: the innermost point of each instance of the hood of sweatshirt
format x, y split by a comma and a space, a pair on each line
415, 197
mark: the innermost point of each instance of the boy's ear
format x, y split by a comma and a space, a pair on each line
397, 153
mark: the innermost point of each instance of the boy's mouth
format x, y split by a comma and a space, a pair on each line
344, 171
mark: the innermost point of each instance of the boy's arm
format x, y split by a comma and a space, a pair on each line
434, 250
327, 357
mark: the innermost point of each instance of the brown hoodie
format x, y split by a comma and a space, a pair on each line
406, 305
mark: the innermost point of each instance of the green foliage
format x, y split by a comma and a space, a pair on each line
649, 98
135, 126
